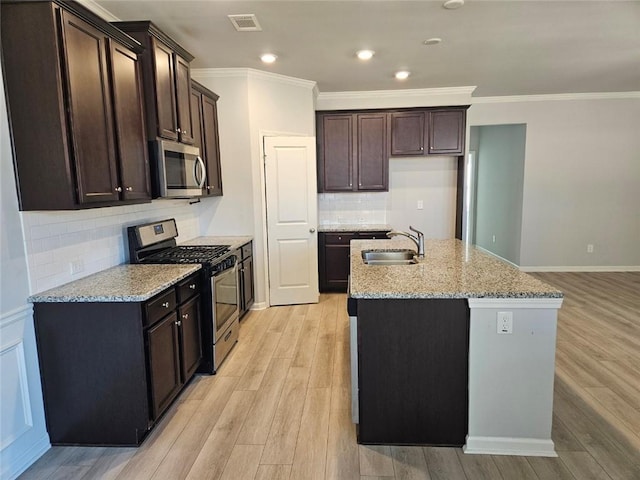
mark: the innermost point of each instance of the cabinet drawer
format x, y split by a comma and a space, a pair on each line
338, 238
247, 250
160, 306
188, 288
371, 236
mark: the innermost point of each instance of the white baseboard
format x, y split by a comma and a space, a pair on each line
14, 468
526, 447
259, 306
586, 268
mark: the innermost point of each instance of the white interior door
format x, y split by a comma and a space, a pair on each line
292, 214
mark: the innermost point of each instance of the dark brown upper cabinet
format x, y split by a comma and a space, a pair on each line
204, 115
126, 73
167, 82
419, 132
408, 133
447, 131
75, 107
352, 152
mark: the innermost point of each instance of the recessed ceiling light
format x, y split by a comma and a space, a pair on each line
402, 75
268, 58
432, 41
365, 54
453, 4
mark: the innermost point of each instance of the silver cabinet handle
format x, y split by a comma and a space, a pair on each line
118, 189
312, 230
178, 323
192, 286
185, 316
129, 189
179, 131
165, 304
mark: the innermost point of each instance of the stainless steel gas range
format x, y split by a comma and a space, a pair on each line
156, 243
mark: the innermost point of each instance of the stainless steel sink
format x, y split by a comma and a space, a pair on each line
389, 257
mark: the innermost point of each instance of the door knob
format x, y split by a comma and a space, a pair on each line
312, 230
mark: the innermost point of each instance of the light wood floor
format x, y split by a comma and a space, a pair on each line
279, 406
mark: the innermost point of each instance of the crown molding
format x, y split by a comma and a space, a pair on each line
407, 93
556, 97
99, 10
252, 74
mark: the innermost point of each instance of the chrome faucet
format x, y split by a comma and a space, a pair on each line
418, 240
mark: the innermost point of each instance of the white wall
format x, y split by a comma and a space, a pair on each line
582, 170
23, 435
252, 104
499, 184
431, 180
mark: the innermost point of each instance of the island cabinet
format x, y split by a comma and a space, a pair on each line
167, 82
74, 94
110, 370
204, 111
245, 272
420, 132
333, 257
352, 152
412, 361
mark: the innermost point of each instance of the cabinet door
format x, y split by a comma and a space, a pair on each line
190, 339
335, 153
246, 271
164, 365
407, 133
196, 123
446, 132
372, 157
336, 267
90, 116
167, 121
131, 143
183, 99
211, 145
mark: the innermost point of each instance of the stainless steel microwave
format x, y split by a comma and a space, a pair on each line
180, 170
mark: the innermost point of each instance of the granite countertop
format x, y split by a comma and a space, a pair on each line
450, 269
233, 242
353, 227
123, 283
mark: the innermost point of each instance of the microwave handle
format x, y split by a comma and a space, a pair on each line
204, 173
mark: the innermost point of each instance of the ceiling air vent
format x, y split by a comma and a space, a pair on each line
245, 23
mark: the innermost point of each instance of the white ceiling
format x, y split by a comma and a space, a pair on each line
502, 47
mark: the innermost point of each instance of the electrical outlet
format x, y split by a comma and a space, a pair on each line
504, 323
590, 248
77, 266
420, 204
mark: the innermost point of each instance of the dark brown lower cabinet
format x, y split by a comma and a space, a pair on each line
110, 370
190, 337
245, 280
413, 371
164, 363
333, 257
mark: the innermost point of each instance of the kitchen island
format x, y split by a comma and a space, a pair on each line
457, 349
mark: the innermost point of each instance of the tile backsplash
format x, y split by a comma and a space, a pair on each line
63, 246
353, 208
